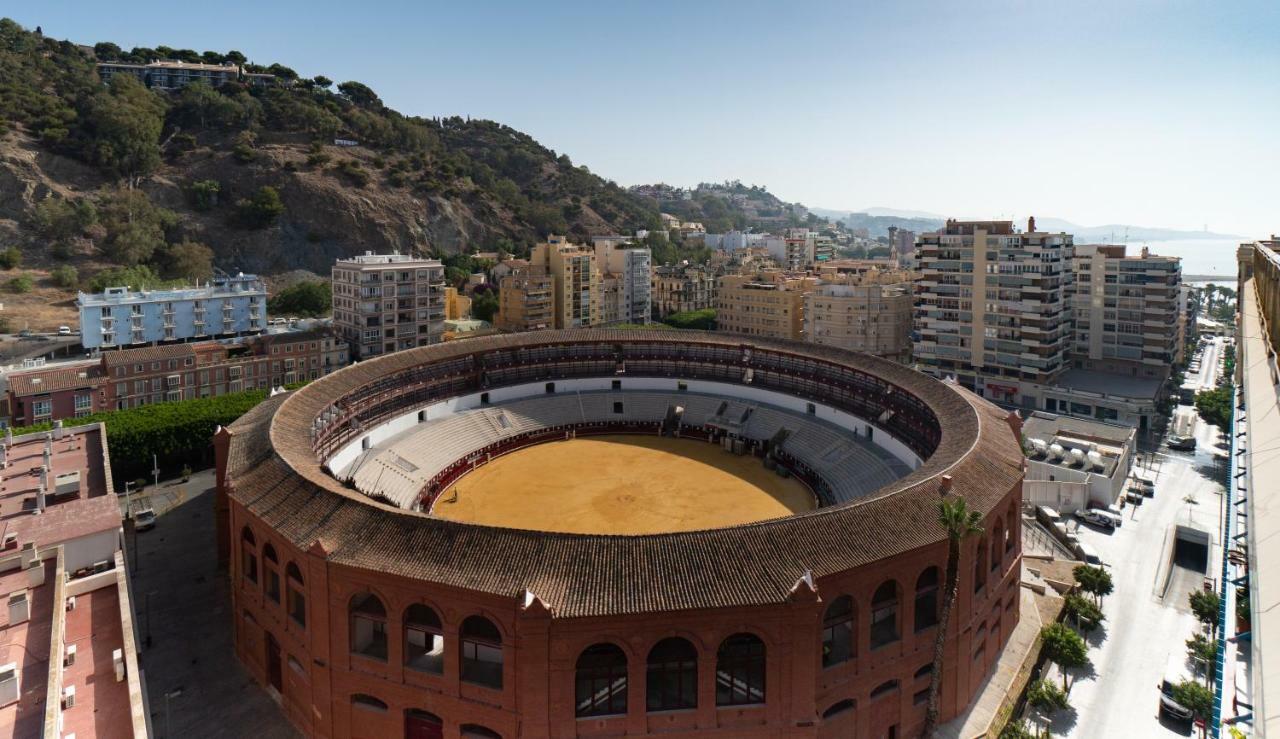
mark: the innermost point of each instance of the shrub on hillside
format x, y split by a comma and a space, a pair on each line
10, 258
262, 209
20, 284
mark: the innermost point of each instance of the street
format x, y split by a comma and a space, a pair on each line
1148, 617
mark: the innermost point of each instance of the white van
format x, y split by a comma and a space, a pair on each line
1088, 554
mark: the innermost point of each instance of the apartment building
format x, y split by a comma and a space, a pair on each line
869, 312
992, 307
120, 317
902, 245
1126, 311
682, 288
629, 299
169, 74
575, 281
456, 305
131, 378
383, 303
525, 300
70, 640
769, 305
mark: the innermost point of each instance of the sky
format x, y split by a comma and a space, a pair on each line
1150, 113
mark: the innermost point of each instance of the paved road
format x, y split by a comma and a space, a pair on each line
182, 602
1144, 626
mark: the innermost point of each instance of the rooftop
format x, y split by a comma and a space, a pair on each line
369, 258
1047, 426
220, 287
1107, 384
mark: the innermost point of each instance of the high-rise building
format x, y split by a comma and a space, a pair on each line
630, 267
992, 306
525, 300
120, 317
902, 245
762, 305
870, 312
387, 302
1125, 311
575, 281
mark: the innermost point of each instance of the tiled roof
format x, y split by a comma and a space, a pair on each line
278, 479
51, 379
148, 354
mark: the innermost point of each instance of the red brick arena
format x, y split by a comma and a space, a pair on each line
368, 613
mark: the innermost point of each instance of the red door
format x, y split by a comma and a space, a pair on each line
422, 725
275, 676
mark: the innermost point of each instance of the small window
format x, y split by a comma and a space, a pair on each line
484, 398
920, 698
843, 706
422, 416
617, 408
682, 387
810, 408
616, 384
551, 388
884, 689
365, 443
368, 703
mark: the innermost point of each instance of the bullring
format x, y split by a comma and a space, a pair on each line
368, 615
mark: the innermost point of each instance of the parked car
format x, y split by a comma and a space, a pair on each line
1145, 485
144, 517
1175, 672
1088, 554
1102, 519
1133, 496
64, 330
25, 333
1182, 443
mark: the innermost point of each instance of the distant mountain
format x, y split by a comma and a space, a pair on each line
725, 206
1116, 232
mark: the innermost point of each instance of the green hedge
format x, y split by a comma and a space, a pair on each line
179, 433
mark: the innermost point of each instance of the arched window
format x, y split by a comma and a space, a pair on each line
926, 609
925, 671
368, 626
248, 555
271, 572
884, 689
297, 599
672, 675
997, 544
423, 640
980, 565
368, 703
419, 724
600, 681
837, 632
884, 615
839, 708
481, 652
740, 665
473, 731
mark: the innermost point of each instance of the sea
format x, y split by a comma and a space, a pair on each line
1201, 258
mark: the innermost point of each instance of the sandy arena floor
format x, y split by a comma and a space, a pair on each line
623, 484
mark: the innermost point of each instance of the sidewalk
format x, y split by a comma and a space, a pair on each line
1009, 671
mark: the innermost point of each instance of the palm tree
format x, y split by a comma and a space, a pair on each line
960, 523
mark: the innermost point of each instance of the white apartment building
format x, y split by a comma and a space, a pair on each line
120, 317
631, 267
383, 303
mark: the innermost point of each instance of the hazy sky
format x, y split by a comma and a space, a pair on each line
1152, 113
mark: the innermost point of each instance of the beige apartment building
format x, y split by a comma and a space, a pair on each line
456, 305
769, 305
575, 281
525, 300
383, 303
992, 307
1126, 311
869, 312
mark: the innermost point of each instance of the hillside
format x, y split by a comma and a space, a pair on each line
721, 207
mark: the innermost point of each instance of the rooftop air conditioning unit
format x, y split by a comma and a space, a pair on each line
10, 683
71, 656
68, 697
71, 603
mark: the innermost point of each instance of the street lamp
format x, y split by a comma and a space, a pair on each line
171, 694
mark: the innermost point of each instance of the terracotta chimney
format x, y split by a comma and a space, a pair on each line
946, 485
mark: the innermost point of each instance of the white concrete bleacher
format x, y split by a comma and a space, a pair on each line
400, 467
